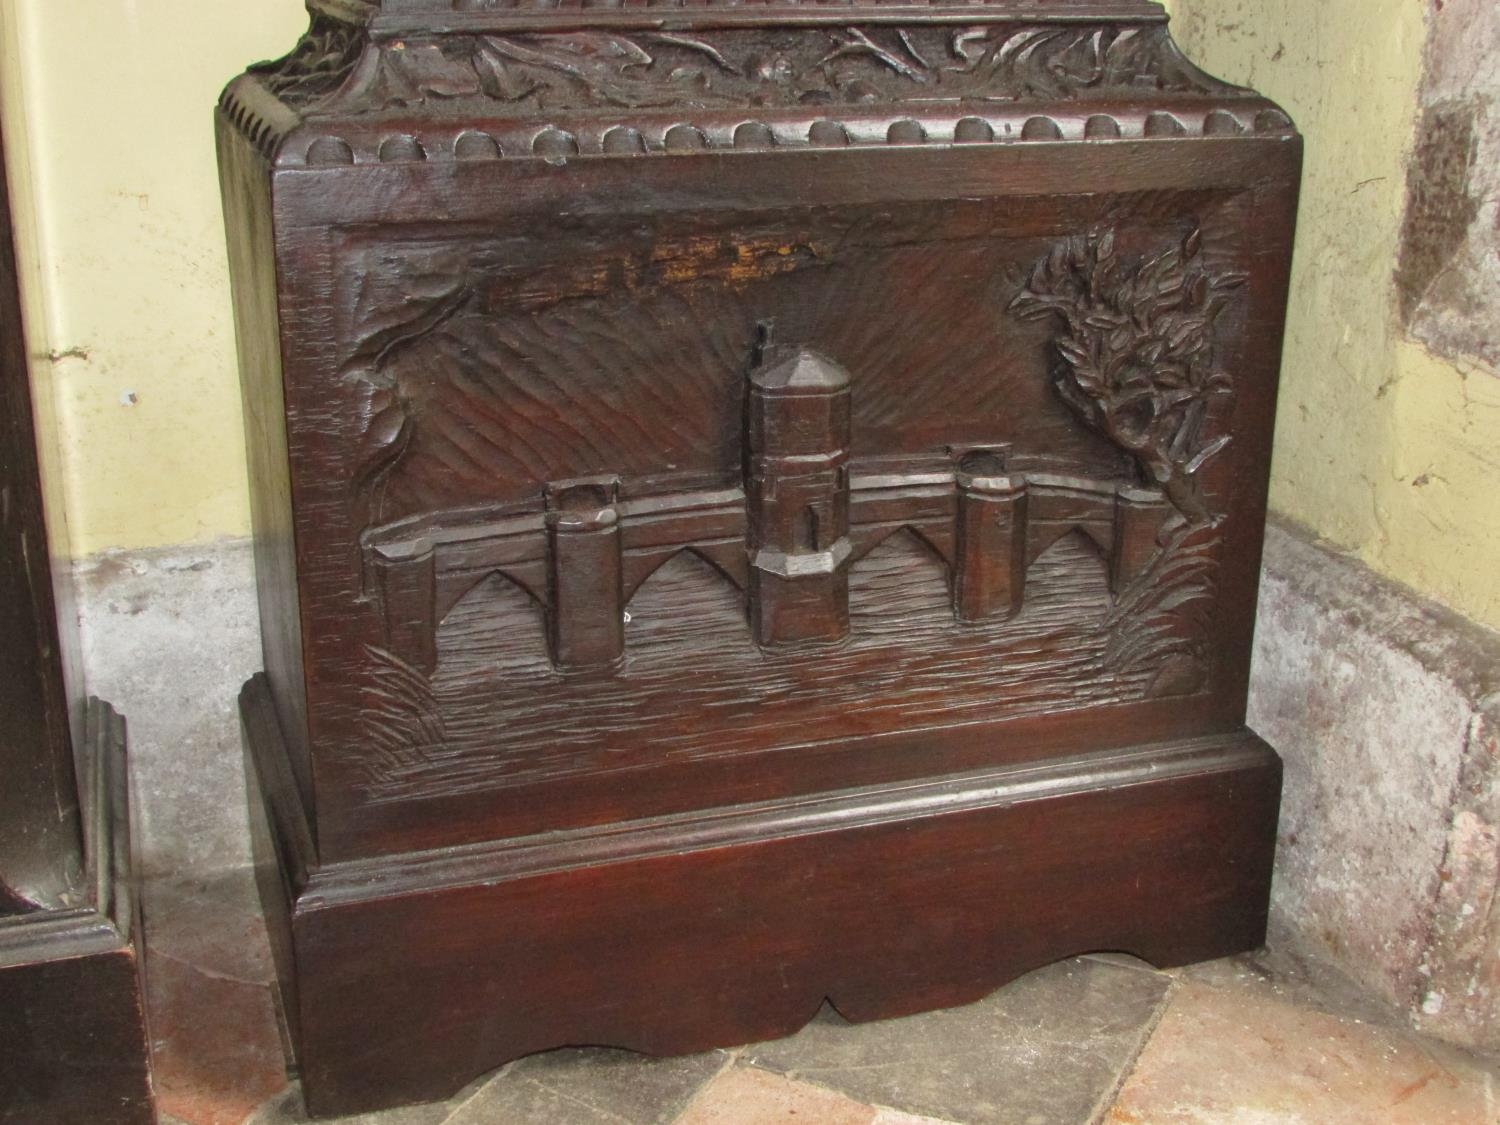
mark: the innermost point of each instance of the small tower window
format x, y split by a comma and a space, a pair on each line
805, 530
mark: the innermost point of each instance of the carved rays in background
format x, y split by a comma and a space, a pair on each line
509, 398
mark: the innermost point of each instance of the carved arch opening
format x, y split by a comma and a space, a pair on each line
872, 541
1099, 536
450, 598
497, 623
901, 576
683, 600
635, 581
1071, 576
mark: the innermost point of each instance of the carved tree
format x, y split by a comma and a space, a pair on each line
1136, 361
388, 424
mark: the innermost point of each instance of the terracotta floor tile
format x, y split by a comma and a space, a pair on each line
749, 1096
215, 1048
1243, 1056
212, 922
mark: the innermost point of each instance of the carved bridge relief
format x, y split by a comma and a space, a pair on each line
787, 537
1134, 359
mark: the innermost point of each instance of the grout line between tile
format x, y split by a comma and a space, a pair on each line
826, 1084
211, 974
731, 1060
1110, 1096
481, 1088
575, 1100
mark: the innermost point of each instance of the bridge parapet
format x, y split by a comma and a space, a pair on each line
584, 548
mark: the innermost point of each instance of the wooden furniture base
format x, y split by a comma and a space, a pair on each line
680, 933
73, 1042
754, 503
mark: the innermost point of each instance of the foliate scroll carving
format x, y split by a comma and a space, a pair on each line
1135, 361
1061, 62
735, 67
320, 63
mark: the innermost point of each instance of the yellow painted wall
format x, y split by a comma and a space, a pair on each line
108, 107
1384, 449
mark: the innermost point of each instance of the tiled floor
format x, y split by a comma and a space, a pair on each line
1264, 1039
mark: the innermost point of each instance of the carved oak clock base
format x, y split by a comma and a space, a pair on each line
408, 976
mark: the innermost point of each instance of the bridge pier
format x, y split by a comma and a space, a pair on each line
585, 610
1139, 514
407, 579
989, 572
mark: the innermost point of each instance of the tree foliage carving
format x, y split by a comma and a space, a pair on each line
1135, 359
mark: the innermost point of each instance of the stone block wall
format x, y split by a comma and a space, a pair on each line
1386, 709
